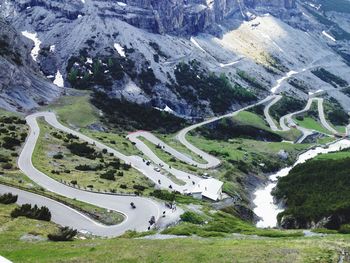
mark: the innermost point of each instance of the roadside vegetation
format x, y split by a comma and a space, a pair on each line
116, 140
255, 118
285, 106
171, 140
12, 176
311, 123
336, 115
171, 160
220, 224
80, 165
230, 128
13, 132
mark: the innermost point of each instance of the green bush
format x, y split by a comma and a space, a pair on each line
10, 142
7, 166
191, 217
164, 195
82, 150
109, 175
42, 213
8, 198
250, 80
139, 187
86, 167
64, 234
58, 156
4, 159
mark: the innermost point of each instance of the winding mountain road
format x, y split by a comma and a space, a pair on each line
212, 161
323, 120
135, 219
286, 121
62, 214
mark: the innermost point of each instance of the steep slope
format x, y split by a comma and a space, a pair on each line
21, 85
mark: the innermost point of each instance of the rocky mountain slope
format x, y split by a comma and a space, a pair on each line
22, 86
172, 54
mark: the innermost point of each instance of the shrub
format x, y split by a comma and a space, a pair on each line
164, 195
56, 135
42, 213
192, 218
115, 164
72, 137
4, 159
58, 156
86, 167
139, 187
64, 234
10, 142
82, 150
109, 175
126, 166
8, 198
7, 166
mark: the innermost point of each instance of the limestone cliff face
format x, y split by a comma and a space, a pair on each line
191, 16
288, 4
178, 17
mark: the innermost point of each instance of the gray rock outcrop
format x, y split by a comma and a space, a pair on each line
22, 87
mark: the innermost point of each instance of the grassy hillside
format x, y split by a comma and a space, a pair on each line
76, 110
233, 249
